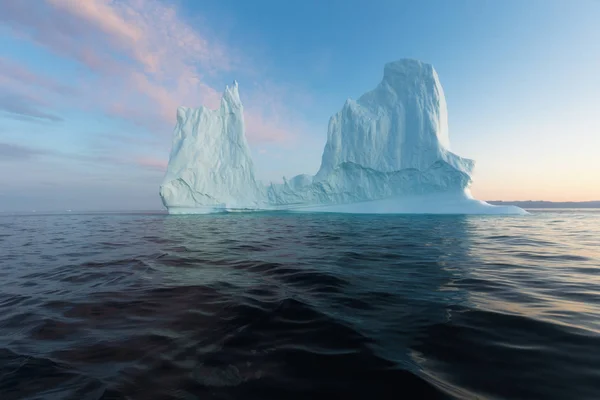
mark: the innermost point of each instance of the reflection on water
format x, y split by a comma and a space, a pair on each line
277, 305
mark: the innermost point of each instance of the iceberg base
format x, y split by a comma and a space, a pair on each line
209, 210
447, 203
434, 203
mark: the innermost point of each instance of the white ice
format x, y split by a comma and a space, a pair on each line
387, 152
210, 166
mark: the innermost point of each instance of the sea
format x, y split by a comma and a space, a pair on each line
145, 305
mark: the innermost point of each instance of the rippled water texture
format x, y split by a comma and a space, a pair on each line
288, 306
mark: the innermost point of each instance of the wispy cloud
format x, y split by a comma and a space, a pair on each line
12, 70
20, 106
28, 96
11, 152
149, 60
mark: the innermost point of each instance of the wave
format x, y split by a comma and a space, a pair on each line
283, 306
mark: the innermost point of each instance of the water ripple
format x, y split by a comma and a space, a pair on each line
295, 306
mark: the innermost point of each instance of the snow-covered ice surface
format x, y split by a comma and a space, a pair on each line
387, 152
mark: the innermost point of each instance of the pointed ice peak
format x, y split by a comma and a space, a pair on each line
350, 106
231, 95
182, 113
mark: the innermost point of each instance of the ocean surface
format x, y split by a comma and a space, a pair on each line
300, 306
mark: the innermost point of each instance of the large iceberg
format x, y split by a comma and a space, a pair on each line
387, 152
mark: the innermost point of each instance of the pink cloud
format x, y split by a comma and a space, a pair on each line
148, 60
100, 13
150, 32
152, 163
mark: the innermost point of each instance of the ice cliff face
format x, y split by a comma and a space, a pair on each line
400, 124
390, 149
210, 165
392, 141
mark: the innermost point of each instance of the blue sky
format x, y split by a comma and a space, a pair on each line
89, 89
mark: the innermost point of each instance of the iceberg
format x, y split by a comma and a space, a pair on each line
210, 167
387, 152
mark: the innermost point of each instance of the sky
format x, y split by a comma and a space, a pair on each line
89, 89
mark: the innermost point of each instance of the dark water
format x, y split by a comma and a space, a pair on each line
284, 306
